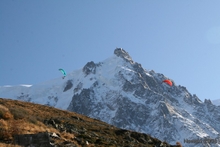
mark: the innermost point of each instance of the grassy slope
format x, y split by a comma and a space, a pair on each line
17, 117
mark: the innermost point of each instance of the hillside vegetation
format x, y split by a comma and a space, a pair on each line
64, 128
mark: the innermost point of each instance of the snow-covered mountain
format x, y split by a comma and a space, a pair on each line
121, 92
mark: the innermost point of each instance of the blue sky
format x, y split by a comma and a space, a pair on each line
180, 39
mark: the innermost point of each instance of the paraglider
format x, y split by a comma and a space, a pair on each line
63, 72
169, 82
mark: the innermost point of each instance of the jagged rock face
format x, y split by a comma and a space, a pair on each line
86, 97
121, 92
90, 67
68, 86
123, 54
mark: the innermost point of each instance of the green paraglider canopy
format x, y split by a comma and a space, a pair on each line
63, 71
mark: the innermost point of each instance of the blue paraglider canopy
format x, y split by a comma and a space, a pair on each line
63, 72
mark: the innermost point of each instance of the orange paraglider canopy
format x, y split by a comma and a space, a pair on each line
169, 82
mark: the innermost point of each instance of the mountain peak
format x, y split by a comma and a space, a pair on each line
120, 52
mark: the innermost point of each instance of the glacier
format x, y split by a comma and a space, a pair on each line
121, 92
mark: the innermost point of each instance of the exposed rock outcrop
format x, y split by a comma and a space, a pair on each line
90, 67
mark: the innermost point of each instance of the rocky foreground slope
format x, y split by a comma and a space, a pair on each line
64, 129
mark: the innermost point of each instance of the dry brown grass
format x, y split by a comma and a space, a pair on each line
21, 118
5, 113
9, 145
178, 144
17, 117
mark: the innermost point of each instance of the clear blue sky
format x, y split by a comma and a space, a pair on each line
180, 39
